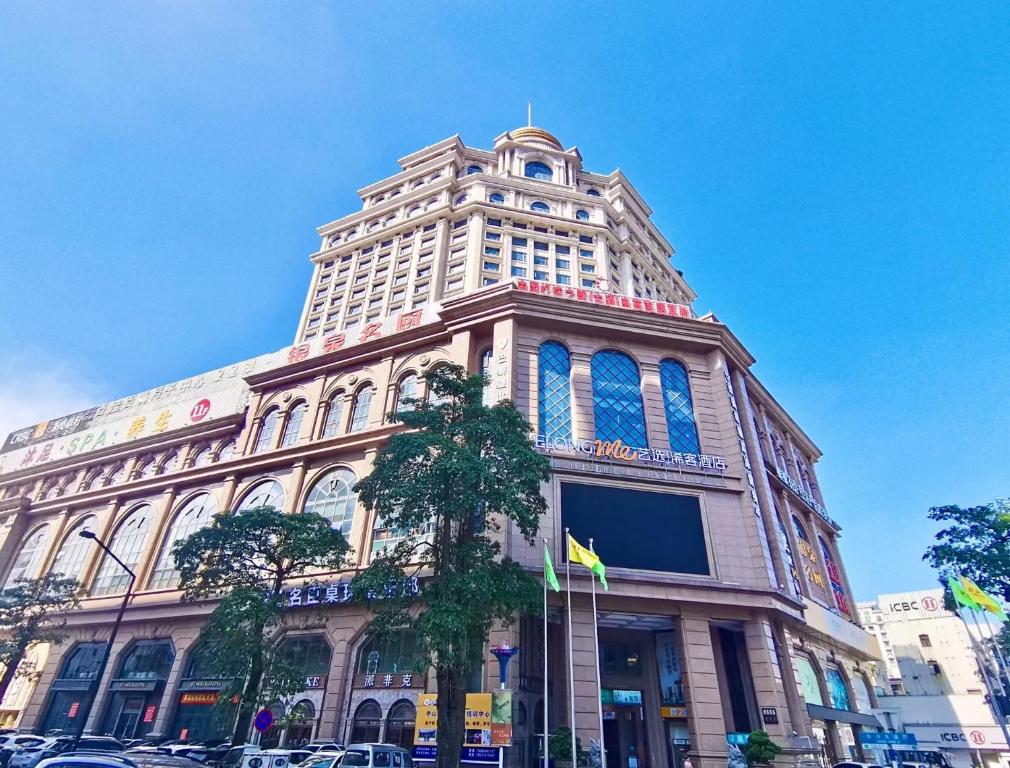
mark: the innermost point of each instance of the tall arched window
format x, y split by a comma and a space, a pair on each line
536, 170
293, 425
127, 544
554, 391
194, 515
331, 496
432, 396
268, 493
838, 691
539, 206
27, 560
808, 680
407, 391
367, 720
835, 577
334, 410
617, 399
485, 371
787, 553
400, 724
69, 560
679, 411
362, 405
265, 438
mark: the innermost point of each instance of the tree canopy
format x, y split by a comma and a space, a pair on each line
446, 491
245, 560
974, 542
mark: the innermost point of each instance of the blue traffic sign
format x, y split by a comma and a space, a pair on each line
264, 719
905, 739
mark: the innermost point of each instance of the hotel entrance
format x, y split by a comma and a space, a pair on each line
624, 735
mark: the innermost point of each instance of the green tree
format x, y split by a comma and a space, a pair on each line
32, 611
975, 542
244, 560
450, 485
760, 749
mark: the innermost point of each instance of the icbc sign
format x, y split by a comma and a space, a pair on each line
930, 603
977, 737
201, 409
927, 603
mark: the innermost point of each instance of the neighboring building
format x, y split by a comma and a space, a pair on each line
937, 691
729, 608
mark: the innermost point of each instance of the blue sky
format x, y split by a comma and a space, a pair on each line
835, 181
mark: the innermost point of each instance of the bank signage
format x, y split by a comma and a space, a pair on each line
923, 604
962, 737
616, 451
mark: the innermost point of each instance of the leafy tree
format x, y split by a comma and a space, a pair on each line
975, 542
32, 612
245, 560
760, 749
450, 484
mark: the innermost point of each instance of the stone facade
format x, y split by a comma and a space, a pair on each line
479, 258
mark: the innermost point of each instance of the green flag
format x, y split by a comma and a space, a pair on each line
549, 575
960, 596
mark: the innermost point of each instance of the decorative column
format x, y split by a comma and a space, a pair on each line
701, 689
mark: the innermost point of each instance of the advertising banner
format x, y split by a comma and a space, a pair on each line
501, 718
487, 725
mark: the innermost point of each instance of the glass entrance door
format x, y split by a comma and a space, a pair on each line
129, 716
624, 737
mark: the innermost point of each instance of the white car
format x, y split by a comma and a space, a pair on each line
31, 756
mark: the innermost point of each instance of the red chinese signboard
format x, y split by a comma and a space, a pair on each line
149, 714
603, 299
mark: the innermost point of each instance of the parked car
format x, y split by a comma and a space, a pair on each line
13, 742
115, 760
233, 757
324, 746
30, 757
854, 765
323, 760
364, 756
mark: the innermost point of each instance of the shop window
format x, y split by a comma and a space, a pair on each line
32, 548
400, 724
838, 691
806, 677
332, 497
195, 515
268, 493
554, 391
367, 722
127, 544
617, 399
73, 552
301, 723
132, 708
309, 655
680, 424
82, 663
387, 655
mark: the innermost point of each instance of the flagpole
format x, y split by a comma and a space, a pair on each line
596, 653
994, 646
980, 660
571, 652
546, 705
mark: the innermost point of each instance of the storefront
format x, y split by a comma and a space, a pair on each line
199, 712
136, 691
296, 720
73, 690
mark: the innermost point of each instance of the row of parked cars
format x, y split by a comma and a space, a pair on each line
59, 751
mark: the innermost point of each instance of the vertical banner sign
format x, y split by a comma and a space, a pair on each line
477, 720
501, 718
426, 722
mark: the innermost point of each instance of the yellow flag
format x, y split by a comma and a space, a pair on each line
579, 554
982, 598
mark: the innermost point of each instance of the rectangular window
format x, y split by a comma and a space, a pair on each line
492, 235
491, 251
518, 271
458, 224
454, 268
424, 271
518, 256
562, 263
925, 642
540, 261
587, 267
563, 250
540, 276
490, 280
588, 283
386, 243
538, 246
518, 242
585, 254
585, 238
518, 225
491, 266
430, 227
560, 233
564, 280
494, 222
453, 284
540, 229
398, 295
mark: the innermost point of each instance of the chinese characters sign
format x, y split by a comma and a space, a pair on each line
604, 299
616, 451
331, 593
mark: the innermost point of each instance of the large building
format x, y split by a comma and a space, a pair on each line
729, 608
937, 690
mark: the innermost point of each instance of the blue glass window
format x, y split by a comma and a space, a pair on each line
582, 215
592, 193
540, 207
460, 200
554, 391
677, 404
617, 399
473, 169
497, 197
837, 690
538, 171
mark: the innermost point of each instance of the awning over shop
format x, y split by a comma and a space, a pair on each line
818, 712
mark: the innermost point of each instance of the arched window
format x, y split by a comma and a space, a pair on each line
227, 451
386, 537
861, 693
459, 200
147, 469
27, 560
331, 496
308, 654
617, 399
806, 676
536, 170
835, 577
787, 553
90, 479
472, 169
293, 425
838, 691
115, 476
400, 724
801, 531
127, 544
80, 664
406, 393
592, 192
170, 463
388, 655
334, 410
432, 396
268, 493
485, 371
554, 391
414, 211
680, 424
69, 560
367, 720
497, 197
540, 207
265, 438
203, 457
582, 215
148, 660
194, 515
362, 405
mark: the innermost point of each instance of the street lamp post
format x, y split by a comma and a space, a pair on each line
86, 713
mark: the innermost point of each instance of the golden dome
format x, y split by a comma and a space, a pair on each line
531, 135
